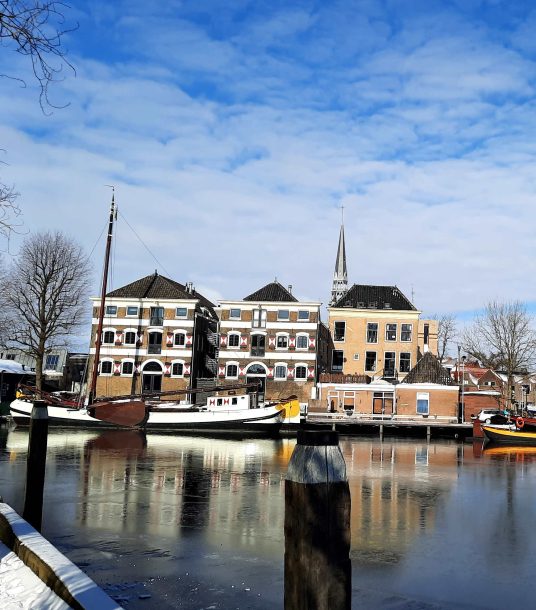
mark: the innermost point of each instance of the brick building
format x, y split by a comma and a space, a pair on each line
157, 335
272, 338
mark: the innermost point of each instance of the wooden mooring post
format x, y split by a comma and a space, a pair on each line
35, 465
317, 525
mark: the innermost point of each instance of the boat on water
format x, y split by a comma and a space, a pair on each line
521, 432
220, 414
230, 408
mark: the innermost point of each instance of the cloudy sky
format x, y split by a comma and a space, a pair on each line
233, 131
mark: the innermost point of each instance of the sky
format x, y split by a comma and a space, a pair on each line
234, 131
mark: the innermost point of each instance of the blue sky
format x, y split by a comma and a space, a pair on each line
234, 130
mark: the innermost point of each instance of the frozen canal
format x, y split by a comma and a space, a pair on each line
189, 522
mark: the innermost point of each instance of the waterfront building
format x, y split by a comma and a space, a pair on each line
157, 335
273, 339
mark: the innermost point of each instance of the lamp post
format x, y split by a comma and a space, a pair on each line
464, 358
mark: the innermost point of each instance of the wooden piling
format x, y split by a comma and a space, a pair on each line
317, 525
36, 464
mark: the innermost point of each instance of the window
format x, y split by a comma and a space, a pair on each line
389, 365
372, 332
258, 343
303, 314
280, 371
111, 310
233, 340
231, 371
259, 318
52, 362
157, 316
179, 340
132, 310
235, 314
282, 342
130, 338
106, 367
337, 360
108, 337
405, 362
370, 362
426, 333
127, 368
405, 333
423, 403
181, 312
339, 330
300, 372
155, 343
177, 369
283, 314
390, 332
302, 342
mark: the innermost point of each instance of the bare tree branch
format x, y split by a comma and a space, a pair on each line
446, 333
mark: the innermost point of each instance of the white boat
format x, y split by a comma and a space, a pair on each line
221, 414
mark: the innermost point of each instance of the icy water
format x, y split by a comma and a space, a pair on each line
190, 522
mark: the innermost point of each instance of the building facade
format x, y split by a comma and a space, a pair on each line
157, 335
376, 331
272, 339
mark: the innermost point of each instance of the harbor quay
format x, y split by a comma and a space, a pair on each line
173, 521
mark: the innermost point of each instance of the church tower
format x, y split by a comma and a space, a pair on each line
340, 277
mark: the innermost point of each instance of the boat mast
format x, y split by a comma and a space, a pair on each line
94, 372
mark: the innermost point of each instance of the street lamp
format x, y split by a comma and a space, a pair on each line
464, 358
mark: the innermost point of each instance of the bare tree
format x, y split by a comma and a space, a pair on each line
503, 338
45, 294
446, 333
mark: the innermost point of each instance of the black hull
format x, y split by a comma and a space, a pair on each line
509, 437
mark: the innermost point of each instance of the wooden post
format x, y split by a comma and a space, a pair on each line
317, 525
35, 465
381, 432
428, 433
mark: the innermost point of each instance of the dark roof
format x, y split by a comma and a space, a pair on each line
158, 287
360, 296
429, 370
273, 292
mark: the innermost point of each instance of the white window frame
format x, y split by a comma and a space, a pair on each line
177, 361
259, 318
377, 333
132, 315
125, 361
179, 316
233, 334
400, 362
305, 318
304, 366
281, 335
227, 365
395, 324
375, 361
238, 317
179, 331
335, 340
280, 319
423, 396
130, 330
280, 364
109, 330
114, 307
306, 335
111, 361
402, 332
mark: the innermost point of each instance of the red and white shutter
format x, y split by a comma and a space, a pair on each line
211, 402
221, 371
117, 368
241, 371
292, 342
118, 337
137, 368
139, 339
223, 340
169, 339
271, 342
167, 369
186, 370
270, 372
243, 341
290, 373
312, 342
188, 340
311, 372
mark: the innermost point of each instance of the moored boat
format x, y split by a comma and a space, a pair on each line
509, 435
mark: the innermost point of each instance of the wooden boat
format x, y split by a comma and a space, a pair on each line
496, 434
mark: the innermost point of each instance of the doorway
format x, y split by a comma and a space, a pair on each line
256, 373
152, 377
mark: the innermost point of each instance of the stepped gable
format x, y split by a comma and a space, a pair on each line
158, 287
273, 292
429, 370
361, 296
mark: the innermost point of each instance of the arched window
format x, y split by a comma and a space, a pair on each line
233, 340
129, 337
300, 372
152, 367
127, 367
177, 369
302, 342
280, 371
256, 369
155, 343
231, 370
106, 367
179, 340
281, 341
108, 337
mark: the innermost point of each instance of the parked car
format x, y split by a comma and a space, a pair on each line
486, 415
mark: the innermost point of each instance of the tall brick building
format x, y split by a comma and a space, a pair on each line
274, 339
157, 335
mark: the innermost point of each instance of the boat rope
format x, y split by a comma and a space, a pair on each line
144, 244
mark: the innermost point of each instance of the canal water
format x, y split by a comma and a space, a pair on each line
189, 522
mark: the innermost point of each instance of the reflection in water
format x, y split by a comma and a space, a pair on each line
428, 521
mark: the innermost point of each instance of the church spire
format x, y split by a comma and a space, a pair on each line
340, 277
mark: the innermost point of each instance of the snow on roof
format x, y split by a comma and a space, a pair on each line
10, 366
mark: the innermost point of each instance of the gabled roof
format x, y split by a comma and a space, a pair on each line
361, 296
428, 370
273, 292
158, 287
